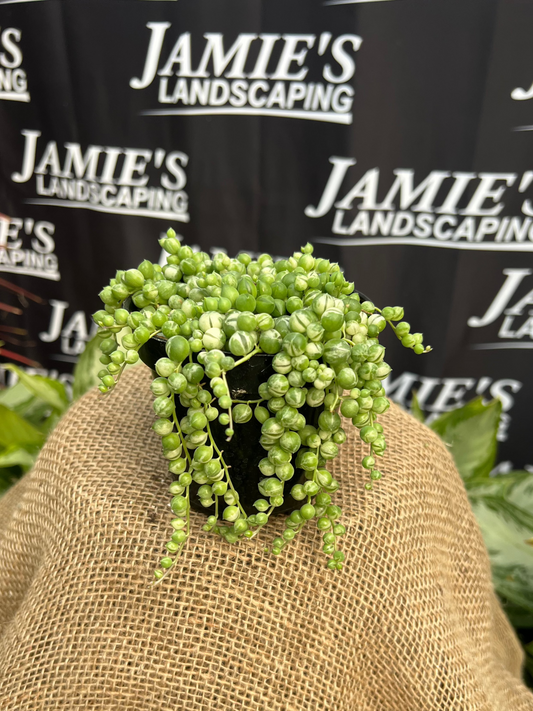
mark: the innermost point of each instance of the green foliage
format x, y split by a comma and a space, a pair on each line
30, 409
15, 431
50, 391
503, 506
86, 369
470, 433
216, 314
416, 410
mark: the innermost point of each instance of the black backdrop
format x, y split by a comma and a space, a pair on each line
393, 134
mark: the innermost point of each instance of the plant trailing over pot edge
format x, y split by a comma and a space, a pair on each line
241, 452
217, 314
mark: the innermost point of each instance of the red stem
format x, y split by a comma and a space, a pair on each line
10, 309
21, 291
14, 329
19, 358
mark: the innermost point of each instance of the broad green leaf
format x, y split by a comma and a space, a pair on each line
502, 504
506, 538
510, 512
515, 586
36, 412
416, 410
520, 495
15, 396
87, 368
15, 431
501, 485
16, 457
470, 432
19, 399
51, 391
521, 492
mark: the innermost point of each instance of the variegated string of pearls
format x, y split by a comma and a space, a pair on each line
326, 354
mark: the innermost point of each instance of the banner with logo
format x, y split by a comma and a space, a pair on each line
395, 135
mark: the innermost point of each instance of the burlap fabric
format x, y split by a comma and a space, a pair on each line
411, 623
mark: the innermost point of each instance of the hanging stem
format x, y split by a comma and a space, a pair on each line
182, 545
262, 524
247, 357
337, 390
226, 469
230, 408
178, 428
187, 496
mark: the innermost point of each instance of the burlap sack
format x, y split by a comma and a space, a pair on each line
411, 623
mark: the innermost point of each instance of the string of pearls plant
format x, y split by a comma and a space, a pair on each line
217, 313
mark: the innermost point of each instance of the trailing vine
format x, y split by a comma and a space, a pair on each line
217, 313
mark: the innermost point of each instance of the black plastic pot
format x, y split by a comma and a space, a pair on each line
243, 453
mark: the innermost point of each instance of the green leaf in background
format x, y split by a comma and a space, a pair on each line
510, 495
509, 511
51, 391
19, 399
15, 431
505, 537
470, 432
501, 485
513, 583
16, 396
87, 368
505, 519
503, 506
416, 410
31, 408
36, 412
16, 457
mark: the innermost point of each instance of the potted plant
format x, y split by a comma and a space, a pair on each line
254, 363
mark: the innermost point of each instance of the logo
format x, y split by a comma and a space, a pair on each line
27, 247
105, 178
13, 81
457, 210
438, 395
72, 335
519, 94
258, 75
511, 312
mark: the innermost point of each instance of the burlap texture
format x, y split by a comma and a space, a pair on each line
411, 623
